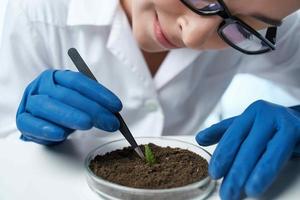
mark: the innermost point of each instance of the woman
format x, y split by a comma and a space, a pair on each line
168, 62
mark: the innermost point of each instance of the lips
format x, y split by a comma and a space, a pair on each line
160, 36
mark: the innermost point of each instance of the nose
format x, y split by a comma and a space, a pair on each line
196, 29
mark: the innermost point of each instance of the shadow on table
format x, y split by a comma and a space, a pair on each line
79, 145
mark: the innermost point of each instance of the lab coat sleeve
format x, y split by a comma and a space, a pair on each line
282, 66
23, 55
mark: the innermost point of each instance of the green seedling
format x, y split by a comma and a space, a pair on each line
150, 159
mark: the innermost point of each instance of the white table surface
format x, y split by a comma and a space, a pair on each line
35, 172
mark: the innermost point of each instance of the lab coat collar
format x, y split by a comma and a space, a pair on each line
91, 12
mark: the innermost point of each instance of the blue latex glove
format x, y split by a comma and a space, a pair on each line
58, 102
252, 148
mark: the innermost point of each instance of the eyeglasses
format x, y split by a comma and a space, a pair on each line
233, 30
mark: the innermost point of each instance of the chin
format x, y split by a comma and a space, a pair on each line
153, 50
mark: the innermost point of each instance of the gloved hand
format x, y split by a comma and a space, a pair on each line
252, 148
59, 102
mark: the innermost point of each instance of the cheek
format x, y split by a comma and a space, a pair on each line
214, 43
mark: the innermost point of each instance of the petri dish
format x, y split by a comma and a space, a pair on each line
108, 190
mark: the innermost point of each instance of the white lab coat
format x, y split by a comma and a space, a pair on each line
188, 85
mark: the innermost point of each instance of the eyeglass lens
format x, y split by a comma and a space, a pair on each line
204, 5
242, 38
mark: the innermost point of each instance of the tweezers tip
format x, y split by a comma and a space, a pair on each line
139, 152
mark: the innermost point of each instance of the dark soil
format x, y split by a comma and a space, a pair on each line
174, 167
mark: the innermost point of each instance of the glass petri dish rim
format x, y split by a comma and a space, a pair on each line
100, 180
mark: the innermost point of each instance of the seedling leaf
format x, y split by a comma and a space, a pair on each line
149, 155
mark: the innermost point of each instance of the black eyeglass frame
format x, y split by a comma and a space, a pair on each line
269, 40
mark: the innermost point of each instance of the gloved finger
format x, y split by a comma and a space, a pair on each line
99, 115
89, 88
229, 145
246, 158
28, 91
49, 109
278, 152
213, 134
40, 130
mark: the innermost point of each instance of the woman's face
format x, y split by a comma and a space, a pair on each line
160, 25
